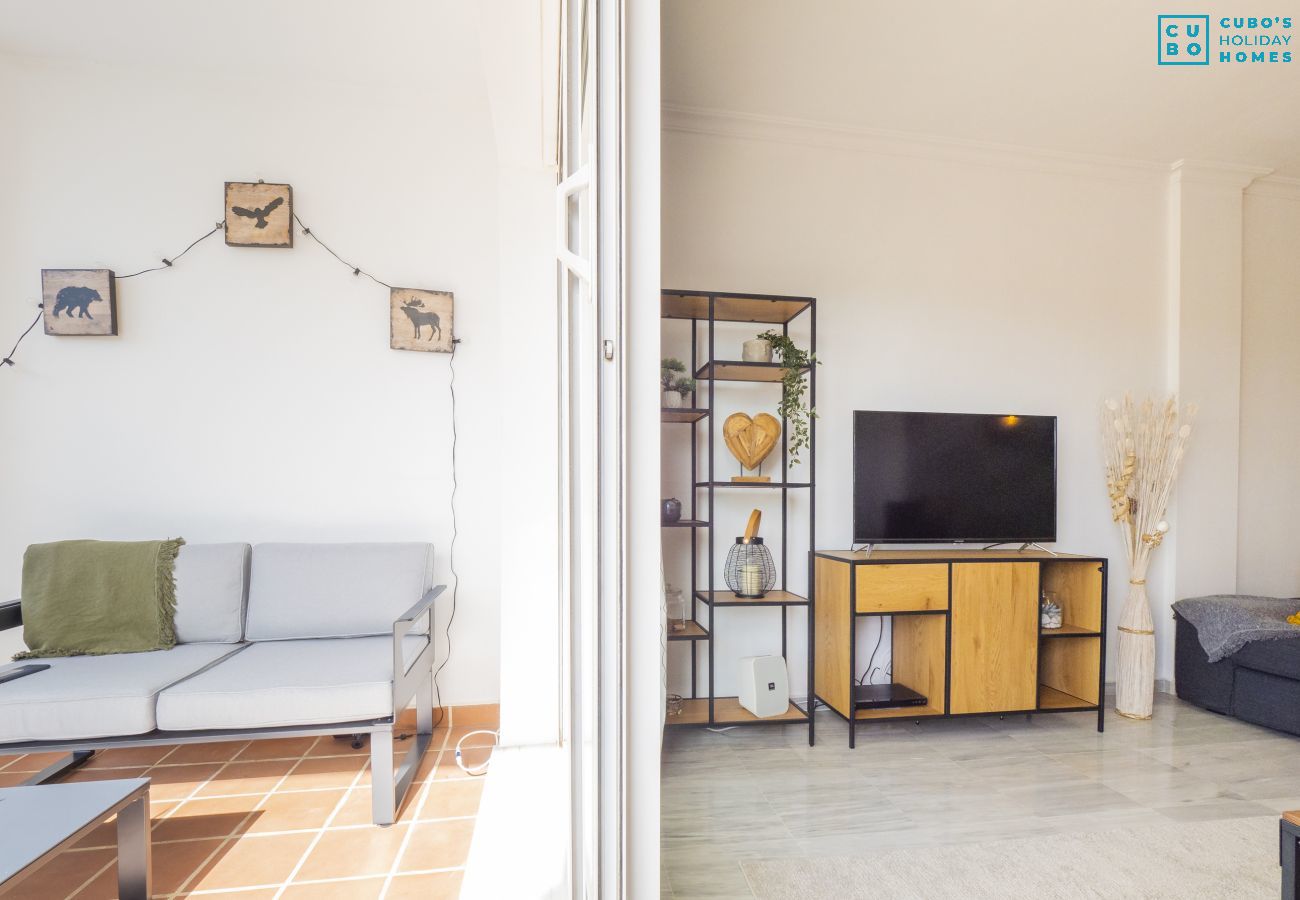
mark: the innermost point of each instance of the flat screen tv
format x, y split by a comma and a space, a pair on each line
953, 477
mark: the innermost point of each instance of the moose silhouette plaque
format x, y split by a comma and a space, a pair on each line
259, 215
79, 301
420, 320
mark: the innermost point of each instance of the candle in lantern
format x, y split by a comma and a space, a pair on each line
751, 579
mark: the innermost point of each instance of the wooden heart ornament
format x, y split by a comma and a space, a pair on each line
750, 440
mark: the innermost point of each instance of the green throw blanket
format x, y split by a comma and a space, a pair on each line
98, 597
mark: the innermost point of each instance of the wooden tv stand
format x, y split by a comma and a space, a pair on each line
965, 631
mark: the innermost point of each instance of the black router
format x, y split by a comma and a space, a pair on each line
881, 696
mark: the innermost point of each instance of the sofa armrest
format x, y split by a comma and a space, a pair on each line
11, 614
406, 679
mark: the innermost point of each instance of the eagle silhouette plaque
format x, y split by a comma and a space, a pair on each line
79, 301
420, 320
259, 215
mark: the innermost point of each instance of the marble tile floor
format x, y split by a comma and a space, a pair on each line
761, 791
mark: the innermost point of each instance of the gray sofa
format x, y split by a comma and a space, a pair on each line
276, 640
1260, 683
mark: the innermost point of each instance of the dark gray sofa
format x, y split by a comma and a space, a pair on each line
1260, 683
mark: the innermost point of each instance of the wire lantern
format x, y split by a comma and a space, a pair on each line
750, 572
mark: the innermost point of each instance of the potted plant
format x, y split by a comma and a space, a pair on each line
683, 387
757, 350
670, 369
793, 387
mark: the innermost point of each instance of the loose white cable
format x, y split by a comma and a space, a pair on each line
476, 770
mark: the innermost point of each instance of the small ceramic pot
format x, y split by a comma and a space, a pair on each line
672, 511
672, 400
757, 350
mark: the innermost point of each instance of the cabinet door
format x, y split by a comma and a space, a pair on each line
994, 637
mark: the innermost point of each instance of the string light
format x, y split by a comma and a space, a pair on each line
356, 270
8, 359
168, 263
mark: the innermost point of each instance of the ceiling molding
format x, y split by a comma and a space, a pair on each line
1229, 176
754, 127
1278, 186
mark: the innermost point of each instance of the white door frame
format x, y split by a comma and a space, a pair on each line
610, 420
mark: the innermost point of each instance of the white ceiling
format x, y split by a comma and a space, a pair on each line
1056, 75
394, 44
1051, 74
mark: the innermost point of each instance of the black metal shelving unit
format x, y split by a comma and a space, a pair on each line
704, 310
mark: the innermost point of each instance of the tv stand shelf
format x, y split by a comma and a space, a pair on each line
965, 631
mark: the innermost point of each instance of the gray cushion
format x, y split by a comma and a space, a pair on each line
312, 682
334, 590
96, 696
211, 591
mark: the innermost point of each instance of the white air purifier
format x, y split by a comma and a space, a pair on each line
764, 686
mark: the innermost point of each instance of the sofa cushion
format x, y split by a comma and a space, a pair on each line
334, 590
211, 592
311, 682
1280, 657
96, 696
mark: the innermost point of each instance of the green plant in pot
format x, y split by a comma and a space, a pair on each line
683, 387
671, 370
794, 385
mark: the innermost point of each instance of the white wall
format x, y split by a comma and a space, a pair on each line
1268, 542
942, 285
251, 394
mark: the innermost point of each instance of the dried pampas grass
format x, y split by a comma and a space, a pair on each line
1144, 447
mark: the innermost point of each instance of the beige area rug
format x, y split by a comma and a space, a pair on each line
1226, 860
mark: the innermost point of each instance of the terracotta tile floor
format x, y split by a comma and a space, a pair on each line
278, 819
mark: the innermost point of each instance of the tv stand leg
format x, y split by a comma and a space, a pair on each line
1023, 547
1037, 546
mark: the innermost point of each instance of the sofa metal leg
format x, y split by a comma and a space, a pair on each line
61, 766
424, 706
383, 797
388, 788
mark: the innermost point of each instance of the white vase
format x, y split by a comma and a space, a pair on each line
757, 350
672, 400
1136, 676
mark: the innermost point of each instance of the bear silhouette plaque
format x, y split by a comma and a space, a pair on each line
420, 320
259, 215
79, 301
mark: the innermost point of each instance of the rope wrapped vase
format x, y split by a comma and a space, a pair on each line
1144, 448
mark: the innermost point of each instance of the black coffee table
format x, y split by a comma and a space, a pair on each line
37, 822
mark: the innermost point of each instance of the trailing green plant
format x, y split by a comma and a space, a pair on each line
684, 386
793, 387
669, 368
